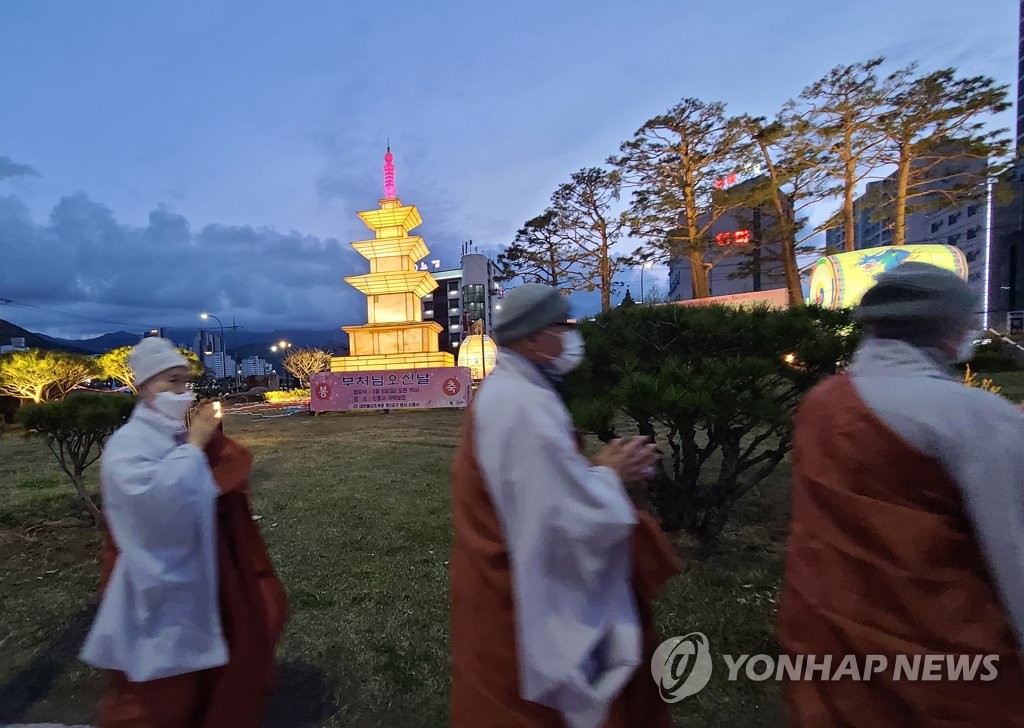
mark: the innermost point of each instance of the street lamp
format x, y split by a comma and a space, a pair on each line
281, 346
223, 355
647, 265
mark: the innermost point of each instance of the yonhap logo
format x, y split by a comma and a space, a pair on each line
682, 666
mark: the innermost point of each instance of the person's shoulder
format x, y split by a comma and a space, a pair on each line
965, 416
126, 442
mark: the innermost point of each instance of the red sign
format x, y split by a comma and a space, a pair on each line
736, 237
388, 389
728, 181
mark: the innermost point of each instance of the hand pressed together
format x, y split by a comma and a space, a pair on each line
631, 459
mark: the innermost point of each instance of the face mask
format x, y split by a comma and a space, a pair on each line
965, 352
173, 406
572, 352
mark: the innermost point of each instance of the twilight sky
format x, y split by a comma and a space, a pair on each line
158, 159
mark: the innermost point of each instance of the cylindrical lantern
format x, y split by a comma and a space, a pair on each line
478, 353
840, 281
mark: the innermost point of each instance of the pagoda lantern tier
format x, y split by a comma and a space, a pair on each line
395, 335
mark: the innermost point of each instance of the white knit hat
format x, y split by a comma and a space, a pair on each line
151, 356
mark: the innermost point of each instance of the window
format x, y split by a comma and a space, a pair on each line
972, 210
953, 239
936, 226
473, 293
953, 218
972, 233
972, 256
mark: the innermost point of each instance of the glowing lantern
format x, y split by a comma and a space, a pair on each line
473, 351
395, 335
840, 281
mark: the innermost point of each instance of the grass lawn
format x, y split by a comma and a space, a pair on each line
355, 510
1012, 383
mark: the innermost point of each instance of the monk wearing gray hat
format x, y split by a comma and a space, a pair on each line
552, 567
905, 559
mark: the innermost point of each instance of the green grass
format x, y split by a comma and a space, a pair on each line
1012, 383
355, 510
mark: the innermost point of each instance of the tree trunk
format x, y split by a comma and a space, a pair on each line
899, 233
95, 513
793, 285
698, 268
849, 219
606, 275
699, 275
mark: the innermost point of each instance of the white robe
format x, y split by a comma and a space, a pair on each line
568, 527
976, 435
160, 613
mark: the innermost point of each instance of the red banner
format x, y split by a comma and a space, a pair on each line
390, 389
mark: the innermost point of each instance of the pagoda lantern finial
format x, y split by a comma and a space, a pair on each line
390, 193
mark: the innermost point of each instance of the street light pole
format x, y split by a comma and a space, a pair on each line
645, 264
223, 353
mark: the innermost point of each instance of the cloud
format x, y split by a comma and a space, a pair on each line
83, 260
10, 168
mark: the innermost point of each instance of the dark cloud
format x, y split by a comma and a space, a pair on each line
83, 260
10, 168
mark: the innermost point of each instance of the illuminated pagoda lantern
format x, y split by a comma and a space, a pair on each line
395, 335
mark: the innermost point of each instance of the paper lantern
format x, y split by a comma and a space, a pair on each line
473, 351
840, 281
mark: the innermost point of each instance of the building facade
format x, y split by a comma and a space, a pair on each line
222, 365
743, 258
207, 342
463, 297
255, 366
17, 344
1006, 271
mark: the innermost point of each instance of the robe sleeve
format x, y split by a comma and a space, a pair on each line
155, 509
555, 496
992, 488
230, 462
568, 526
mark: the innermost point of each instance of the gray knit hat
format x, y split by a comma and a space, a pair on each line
918, 293
527, 310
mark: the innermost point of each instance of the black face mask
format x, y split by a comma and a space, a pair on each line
555, 377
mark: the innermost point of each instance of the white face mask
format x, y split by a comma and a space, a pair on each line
965, 352
572, 352
173, 406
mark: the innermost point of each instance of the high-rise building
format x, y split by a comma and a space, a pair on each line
207, 342
255, 366
222, 365
464, 296
1006, 270
744, 261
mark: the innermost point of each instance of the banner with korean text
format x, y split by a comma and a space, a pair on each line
390, 389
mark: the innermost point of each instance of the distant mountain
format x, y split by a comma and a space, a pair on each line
249, 343
10, 331
99, 344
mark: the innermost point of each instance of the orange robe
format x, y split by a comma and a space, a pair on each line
485, 675
882, 560
253, 613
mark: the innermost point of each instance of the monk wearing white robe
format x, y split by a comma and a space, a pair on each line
553, 568
191, 609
